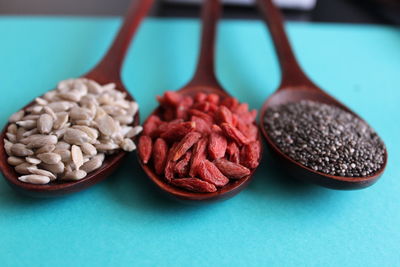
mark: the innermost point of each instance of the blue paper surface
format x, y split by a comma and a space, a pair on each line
276, 221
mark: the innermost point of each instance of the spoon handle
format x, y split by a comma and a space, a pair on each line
109, 68
205, 71
292, 74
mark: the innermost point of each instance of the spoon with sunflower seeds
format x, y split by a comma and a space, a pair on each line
76, 135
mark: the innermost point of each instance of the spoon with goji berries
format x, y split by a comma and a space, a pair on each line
200, 143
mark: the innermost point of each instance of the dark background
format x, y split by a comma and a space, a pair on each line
350, 11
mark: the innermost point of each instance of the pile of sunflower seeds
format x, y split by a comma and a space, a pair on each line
68, 131
325, 138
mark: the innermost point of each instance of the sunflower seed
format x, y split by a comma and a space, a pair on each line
63, 145
77, 157
64, 153
76, 137
45, 149
28, 124
41, 101
12, 128
74, 175
88, 149
23, 168
93, 164
54, 168
42, 172
7, 147
20, 150
106, 125
128, 145
39, 140
45, 123
34, 179
49, 158
61, 120
14, 161
11, 137
17, 116
34, 161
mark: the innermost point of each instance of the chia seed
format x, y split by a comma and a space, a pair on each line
325, 138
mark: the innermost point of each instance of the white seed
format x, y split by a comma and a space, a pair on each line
65, 154
72, 95
45, 123
36, 109
75, 137
14, 161
114, 110
20, 150
94, 87
34, 161
93, 164
134, 131
45, 149
23, 168
124, 119
74, 175
20, 133
11, 137
41, 101
60, 106
128, 145
88, 149
12, 128
106, 146
17, 116
63, 145
60, 133
77, 157
42, 172
34, 179
49, 158
109, 86
7, 147
39, 140
54, 168
28, 124
62, 119
78, 113
92, 133
50, 111
133, 108
106, 125
30, 132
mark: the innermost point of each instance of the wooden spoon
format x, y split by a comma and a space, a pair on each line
204, 81
296, 86
107, 71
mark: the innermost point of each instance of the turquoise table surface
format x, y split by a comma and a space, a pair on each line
276, 221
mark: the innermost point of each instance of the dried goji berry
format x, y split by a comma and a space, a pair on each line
160, 150
232, 151
170, 165
250, 155
213, 98
201, 114
151, 125
223, 114
185, 144
194, 184
234, 134
216, 145
230, 169
172, 98
200, 97
198, 155
145, 147
182, 166
230, 102
201, 125
210, 173
177, 131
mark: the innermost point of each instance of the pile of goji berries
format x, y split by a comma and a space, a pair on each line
200, 143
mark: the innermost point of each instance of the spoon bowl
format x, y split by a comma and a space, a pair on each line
107, 71
204, 81
296, 86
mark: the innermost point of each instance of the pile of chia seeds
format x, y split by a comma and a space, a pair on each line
325, 138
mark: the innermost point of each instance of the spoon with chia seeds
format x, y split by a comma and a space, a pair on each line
314, 136
106, 78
